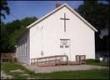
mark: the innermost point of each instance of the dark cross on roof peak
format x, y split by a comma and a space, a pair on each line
64, 21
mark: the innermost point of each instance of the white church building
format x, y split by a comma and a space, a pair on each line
61, 32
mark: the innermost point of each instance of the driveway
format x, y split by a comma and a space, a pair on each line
37, 69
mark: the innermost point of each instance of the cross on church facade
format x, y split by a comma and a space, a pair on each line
64, 21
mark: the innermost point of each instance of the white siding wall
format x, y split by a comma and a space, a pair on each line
48, 39
22, 52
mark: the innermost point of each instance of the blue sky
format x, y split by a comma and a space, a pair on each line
21, 9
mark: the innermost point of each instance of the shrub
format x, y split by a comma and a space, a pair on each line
92, 61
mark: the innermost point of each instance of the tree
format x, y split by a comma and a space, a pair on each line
4, 9
3, 37
11, 31
98, 15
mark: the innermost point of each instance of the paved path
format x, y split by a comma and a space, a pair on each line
37, 69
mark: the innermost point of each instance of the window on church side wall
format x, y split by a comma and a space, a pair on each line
64, 43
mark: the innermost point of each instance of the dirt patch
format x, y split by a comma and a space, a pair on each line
18, 70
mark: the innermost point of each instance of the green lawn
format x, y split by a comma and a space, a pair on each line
8, 67
87, 74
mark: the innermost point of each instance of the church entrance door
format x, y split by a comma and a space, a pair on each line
65, 46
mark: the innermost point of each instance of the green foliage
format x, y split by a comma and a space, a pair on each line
11, 31
96, 62
91, 61
96, 13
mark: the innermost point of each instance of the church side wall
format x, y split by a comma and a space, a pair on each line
22, 52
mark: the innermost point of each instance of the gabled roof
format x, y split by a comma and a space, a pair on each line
57, 9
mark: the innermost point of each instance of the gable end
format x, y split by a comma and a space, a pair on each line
57, 9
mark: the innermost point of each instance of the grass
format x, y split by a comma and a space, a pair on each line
7, 67
87, 74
